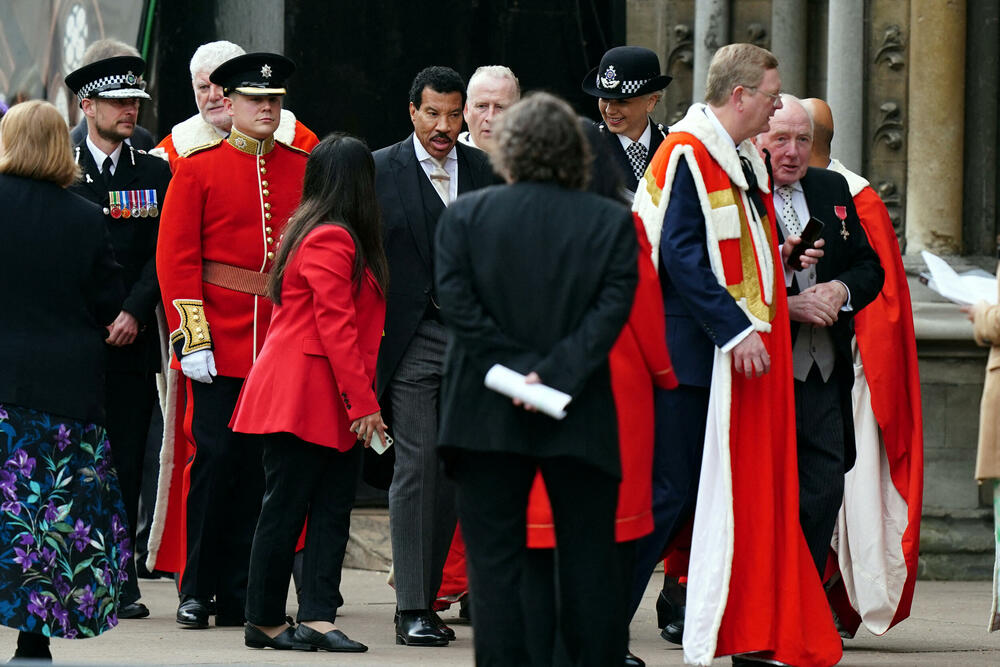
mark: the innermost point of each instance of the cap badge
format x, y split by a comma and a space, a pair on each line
265, 71
610, 78
130, 78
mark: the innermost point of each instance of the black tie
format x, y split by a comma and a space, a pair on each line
749, 173
106, 171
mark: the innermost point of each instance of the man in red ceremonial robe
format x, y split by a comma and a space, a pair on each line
753, 590
878, 530
221, 222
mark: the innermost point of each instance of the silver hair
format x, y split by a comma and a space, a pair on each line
787, 99
496, 72
209, 56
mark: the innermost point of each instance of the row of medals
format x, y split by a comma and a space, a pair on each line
132, 204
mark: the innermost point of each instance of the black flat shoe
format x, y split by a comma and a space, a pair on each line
193, 613
254, 637
633, 660
674, 632
334, 640
448, 633
417, 628
31, 647
133, 610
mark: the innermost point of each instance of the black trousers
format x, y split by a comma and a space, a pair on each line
130, 397
819, 430
546, 646
302, 479
679, 442
492, 499
223, 503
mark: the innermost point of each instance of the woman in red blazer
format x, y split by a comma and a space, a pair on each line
310, 395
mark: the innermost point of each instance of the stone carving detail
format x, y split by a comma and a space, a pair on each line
893, 201
757, 35
890, 126
683, 51
891, 50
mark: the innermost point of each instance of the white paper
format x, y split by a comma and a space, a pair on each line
549, 401
963, 289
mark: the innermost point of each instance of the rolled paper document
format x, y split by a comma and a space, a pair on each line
511, 383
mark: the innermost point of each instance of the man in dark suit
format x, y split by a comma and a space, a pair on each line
415, 179
130, 186
822, 301
628, 84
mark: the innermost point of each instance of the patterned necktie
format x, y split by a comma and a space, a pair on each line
637, 158
441, 182
106, 171
788, 215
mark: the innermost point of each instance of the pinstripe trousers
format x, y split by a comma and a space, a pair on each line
819, 429
421, 497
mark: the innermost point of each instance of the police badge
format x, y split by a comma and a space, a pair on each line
610, 79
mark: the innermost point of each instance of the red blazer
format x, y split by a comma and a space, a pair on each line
639, 360
315, 373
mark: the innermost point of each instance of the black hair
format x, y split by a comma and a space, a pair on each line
338, 189
439, 79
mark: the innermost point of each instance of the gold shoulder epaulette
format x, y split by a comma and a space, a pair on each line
291, 147
203, 147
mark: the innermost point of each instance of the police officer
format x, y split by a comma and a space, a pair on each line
627, 85
130, 186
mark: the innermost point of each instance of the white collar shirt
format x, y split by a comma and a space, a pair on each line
428, 162
100, 156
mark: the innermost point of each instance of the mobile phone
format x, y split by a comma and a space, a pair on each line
378, 445
809, 236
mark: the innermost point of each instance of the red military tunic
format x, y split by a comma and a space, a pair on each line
227, 203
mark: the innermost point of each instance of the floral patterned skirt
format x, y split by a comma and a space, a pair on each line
63, 537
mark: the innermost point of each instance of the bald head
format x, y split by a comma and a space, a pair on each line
822, 119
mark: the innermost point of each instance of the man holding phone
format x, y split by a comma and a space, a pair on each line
822, 301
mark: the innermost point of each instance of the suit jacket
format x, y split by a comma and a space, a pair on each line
986, 328
408, 241
61, 287
656, 135
853, 262
316, 372
701, 314
537, 278
134, 243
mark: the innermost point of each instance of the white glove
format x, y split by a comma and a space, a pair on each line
199, 366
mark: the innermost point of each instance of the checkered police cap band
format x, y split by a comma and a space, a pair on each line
116, 85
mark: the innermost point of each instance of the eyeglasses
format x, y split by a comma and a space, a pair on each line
775, 97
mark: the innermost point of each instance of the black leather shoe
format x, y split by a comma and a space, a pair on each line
417, 628
254, 637
193, 613
674, 632
133, 610
334, 640
448, 633
633, 660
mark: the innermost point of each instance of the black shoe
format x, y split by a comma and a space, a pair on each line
193, 613
133, 610
417, 628
633, 661
674, 632
448, 633
334, 640
32, 647
465, 610
254, 637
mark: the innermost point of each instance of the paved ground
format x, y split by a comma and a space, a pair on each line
946, 628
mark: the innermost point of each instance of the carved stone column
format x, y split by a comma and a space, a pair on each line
789, 31
711, 31
937, 86
845, 79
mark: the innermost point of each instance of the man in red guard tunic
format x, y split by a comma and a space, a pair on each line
725, 438
212, 121
224, 213
878, 529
